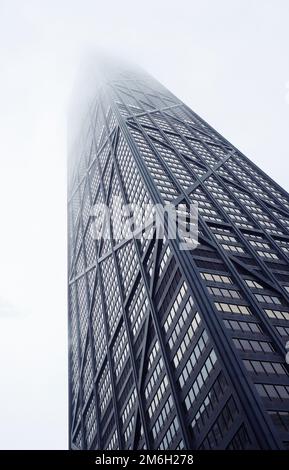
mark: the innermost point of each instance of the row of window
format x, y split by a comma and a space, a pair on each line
184, 315
268, 299
218, 292
279, 392
201, 379
154, 377
87, 374
129, 406
216, 278
245, 327
158, 396
164, 259
253, 284
166, 410
253, 345
104, 389
277, 314
189, 334
232, 308
111, 292
120, 350
262, 367
161, 177
210, 403
113, 442
170, 435
90, 423
283, 330
193, 359
221, 425
137, 308
233, 248
241, 440
128, 429
272, 190
267, 254
153, 354
176, 305
280, 419
128, 265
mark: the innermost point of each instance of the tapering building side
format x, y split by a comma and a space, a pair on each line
172, 349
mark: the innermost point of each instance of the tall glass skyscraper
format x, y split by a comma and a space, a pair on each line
173, 349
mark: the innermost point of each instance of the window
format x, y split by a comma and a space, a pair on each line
240, 441
218, 292
280, 419
268, 368
253, 236
154, 377
201, 379
284, 245
193, 359
129, 406
128, 429
267, 254
189, 334
226, 238
262, 245
120, 350
128, 264
181, 445
163, 416
209, 404
268, 299
233, 248
232, 308
87, 375
221, 425
176, 305
216, 278
164, 259
252, 345
158, 396
253, 284
243, 326
153, 354
283, 330
170, 435
178, 329
98, 331
272, 392
90, 422
137, 308
112, 294
279, 315
104, 389
157, 170
113, 442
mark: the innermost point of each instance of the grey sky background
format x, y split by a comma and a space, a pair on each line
227, 59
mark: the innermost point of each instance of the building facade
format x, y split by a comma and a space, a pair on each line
173, 349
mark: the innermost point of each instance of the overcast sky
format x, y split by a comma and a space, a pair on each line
227, 59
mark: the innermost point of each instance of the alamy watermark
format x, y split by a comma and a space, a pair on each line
126, 221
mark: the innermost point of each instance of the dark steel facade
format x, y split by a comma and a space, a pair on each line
172, 349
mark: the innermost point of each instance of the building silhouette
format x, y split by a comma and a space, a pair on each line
173, 349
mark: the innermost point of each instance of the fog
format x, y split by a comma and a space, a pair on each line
228, 60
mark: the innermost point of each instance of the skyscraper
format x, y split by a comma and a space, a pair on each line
170, 348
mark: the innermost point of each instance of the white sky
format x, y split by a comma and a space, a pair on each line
227, 59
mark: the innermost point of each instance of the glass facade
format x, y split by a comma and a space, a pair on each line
172, 349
